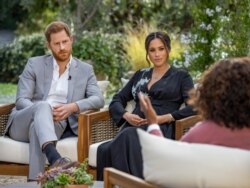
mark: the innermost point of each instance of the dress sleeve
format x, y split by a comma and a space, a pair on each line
186, 86
119, 101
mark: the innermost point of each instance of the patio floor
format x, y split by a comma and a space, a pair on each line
5, 180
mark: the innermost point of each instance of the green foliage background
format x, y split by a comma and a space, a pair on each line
106, 53
14, 56
219, 30
215, 30
103, 50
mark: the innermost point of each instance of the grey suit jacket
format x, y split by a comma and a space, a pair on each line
35, 81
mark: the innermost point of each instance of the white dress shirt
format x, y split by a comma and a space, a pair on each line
59, 86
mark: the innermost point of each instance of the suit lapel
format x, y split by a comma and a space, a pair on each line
72, 72
48, 73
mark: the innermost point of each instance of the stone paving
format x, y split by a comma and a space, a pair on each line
5, 180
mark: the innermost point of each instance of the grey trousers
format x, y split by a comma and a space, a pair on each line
35, 125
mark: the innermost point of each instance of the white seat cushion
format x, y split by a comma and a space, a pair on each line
18, 152
93, 153
103, 85
13, 151
67, 147
169, 163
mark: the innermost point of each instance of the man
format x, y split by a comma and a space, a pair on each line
52, 91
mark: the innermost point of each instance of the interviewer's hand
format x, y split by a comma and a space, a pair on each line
147, 108
149, 112
63, 111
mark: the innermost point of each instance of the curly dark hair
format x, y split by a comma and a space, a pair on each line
223, 93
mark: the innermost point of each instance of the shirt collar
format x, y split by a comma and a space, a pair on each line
55, 65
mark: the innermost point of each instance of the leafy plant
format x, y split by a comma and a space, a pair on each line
134, 44
14, 56
61, 177
106, 53
220, 30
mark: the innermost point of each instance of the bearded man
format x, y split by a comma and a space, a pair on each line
52, 91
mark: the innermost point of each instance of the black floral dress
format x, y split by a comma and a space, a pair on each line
166, 95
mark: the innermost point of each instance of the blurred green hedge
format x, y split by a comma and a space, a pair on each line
14, 56
103, 50
106, 53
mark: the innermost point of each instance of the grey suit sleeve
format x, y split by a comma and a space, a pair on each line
25, 88
93, 95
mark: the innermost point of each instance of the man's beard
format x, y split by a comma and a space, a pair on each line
62, 55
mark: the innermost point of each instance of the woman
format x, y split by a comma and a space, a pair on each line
167, 88
223, 99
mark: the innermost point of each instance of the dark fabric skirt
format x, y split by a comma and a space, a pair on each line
124, 151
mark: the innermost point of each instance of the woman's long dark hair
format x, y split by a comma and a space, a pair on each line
160, 35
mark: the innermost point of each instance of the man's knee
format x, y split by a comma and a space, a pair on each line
42, 105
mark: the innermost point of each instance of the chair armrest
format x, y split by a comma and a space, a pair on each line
5, 110
116, 177
94, 127
183, 125
81, 134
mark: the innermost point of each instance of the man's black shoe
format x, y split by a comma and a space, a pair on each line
60, 162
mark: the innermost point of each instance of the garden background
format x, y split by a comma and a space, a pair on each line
110, 34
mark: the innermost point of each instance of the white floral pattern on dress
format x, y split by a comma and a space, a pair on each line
141, 83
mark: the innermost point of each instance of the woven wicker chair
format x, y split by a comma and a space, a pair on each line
10, 168
93, 127
100, 127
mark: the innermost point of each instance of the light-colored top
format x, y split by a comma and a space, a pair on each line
154, 129
59, 86
209, 132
